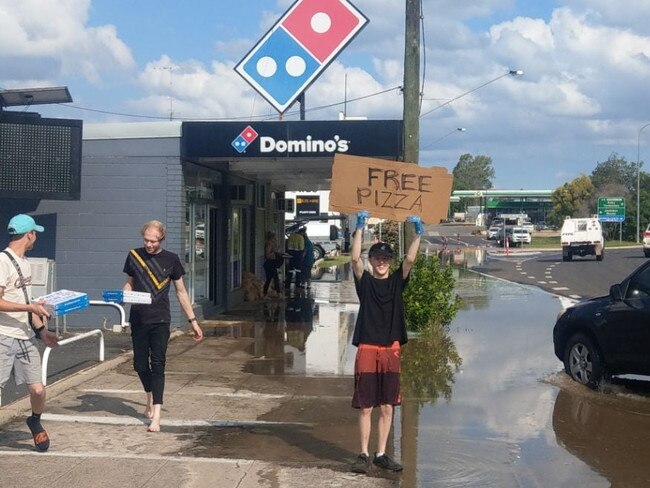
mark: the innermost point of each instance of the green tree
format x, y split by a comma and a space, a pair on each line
615, 171
571, 199
473, 173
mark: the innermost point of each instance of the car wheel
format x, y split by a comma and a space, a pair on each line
319, 252
582, 361
599, 257
647, 253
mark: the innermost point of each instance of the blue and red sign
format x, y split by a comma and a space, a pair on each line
243, 140
298, 48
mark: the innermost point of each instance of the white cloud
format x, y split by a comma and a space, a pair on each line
55, 33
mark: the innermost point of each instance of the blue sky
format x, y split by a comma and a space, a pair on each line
583, 96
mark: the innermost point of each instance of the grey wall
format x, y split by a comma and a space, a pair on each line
124, 183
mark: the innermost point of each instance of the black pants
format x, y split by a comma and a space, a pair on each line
294, 263
149, 354
271, 273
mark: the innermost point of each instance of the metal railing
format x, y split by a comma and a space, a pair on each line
83, 335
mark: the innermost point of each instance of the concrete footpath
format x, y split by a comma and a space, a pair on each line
230, 419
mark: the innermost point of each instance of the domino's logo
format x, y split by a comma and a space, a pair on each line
298, 48
243, 140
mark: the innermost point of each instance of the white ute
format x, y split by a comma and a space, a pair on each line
582, 237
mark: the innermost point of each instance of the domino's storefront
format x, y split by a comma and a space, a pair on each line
217, 186
256, 163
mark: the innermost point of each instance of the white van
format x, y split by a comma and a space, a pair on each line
582, 237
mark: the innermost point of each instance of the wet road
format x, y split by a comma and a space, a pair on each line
578, 279
506, 417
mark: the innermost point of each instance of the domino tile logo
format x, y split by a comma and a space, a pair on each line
243, 140
299, 47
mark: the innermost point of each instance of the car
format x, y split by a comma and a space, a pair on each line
520, 235
496, 222
607, 335
508, 232
646, 242
528, 225
492, 233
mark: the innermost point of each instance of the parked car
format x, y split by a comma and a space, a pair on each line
646, 242
521, 235
607, 335
528, 225
508, 233
492, 233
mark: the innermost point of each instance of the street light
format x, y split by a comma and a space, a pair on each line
513, 72
458, 129
638, 184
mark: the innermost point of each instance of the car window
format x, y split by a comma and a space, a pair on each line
639, 285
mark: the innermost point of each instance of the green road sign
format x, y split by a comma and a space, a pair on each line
611, 209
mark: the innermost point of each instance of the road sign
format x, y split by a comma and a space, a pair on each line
298, 48
611, 209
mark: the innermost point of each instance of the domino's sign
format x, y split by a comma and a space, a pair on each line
306, 145
298, 48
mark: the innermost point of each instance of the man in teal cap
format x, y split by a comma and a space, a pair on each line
22, 322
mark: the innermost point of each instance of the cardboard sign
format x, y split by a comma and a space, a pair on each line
389, 189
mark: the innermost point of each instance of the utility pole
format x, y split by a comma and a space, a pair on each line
411, 93
411, 116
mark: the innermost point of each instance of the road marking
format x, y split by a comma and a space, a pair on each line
530, 277
560, 288
542, 282
225, 394
112, 455
552, 283
575, 297
55, 417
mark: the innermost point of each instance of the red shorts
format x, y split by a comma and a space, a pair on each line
376, 376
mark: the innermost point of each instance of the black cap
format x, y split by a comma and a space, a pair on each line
381, 249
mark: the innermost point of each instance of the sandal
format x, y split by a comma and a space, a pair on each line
41, 439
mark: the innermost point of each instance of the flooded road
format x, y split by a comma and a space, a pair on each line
507, 416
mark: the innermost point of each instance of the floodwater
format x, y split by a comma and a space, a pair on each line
485, 404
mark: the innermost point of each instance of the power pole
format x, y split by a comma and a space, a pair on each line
411, 93
412, 83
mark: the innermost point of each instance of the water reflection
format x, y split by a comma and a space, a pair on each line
428, 365
493, 430
609, 434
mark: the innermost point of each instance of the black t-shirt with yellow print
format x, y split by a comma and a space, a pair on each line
152, 273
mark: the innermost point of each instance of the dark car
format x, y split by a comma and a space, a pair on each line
609, 335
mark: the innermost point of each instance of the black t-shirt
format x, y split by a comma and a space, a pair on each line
152, 273
381, 310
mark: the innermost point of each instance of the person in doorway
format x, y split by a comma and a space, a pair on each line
308, 259
272, 261
153, 269
22, 322
379, 332
296, 249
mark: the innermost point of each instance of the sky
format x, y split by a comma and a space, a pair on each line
583, 96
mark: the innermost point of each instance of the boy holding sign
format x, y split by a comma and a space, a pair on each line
379, 332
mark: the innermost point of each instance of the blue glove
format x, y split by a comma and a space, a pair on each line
417, 223
362, 218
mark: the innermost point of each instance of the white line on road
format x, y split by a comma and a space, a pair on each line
560, 288
576, 297
55, 417
113, 455
542, 282
226, 394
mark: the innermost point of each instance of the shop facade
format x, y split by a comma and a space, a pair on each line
217, 186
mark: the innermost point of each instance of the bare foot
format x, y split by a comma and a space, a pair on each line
149, 411
154, 426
